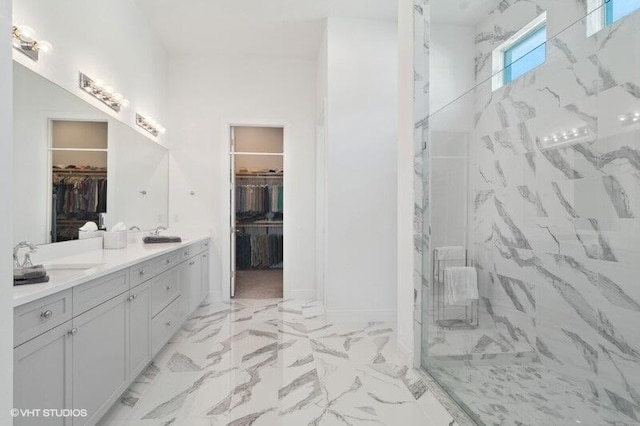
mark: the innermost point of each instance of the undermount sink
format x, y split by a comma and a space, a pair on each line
71, 266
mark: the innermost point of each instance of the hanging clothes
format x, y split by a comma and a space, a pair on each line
259, 251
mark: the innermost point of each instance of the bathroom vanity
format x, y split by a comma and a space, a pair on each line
82, 338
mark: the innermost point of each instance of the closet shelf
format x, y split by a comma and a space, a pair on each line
83, 172
260, 175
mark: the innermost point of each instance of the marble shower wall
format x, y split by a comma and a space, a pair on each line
421, 34
555, 231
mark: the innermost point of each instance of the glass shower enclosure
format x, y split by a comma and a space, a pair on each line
536, 185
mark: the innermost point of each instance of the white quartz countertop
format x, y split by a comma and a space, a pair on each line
106, 261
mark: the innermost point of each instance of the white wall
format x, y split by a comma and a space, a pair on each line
110, 40
361, 169
205, 96
322, 129
405, 199
6, 222
452, 74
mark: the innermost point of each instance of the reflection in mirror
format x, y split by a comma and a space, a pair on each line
65, 152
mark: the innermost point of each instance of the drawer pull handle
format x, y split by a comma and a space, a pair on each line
168, 261
130, 298
47, 314
135, 296
192, 263
73, 331
142, 272
186, 253
169, 287
206, 244
168, 323
204, 255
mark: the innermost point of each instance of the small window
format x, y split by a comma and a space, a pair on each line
522, 52
616, 9
527, 54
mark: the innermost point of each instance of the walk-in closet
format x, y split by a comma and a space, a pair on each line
257, 211
79, 176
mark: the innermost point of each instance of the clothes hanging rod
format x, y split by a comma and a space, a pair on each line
257, 225
79, 172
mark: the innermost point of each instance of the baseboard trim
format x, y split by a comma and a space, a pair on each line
365, 315
309, 294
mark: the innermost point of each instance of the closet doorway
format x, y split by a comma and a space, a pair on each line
78, 152
257, 212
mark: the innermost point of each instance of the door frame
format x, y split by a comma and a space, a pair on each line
226, 220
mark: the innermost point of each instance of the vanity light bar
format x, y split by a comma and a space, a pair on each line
24, 40
630, 118
565, 137
149, 125
104, 93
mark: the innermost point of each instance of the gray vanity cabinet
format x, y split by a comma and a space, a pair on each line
44, 367
80, 348
139, 329
100, 353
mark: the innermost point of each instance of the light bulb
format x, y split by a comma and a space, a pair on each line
637, 114
162, 130
117, 97
124, 103
546, 139
622, 118
97, 84
108, 90
26, 33
44, 46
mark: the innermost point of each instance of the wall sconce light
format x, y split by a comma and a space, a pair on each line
24, 40
565, 137
104, 93
149, 125
629, 119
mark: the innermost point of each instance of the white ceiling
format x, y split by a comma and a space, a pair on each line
291, 28
461, 12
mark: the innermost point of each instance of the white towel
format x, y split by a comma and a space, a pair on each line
460, 285
451, 253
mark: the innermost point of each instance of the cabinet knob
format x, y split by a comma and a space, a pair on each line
73, 331
168, 323
204, 255
186, 253
206, 244
168, 261
142, 272
130, 298
47, 314
192, 263
169, 287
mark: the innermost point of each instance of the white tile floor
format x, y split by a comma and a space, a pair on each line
275, 362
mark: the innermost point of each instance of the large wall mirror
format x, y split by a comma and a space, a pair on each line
75, 164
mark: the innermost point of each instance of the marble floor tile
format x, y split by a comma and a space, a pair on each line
277, 362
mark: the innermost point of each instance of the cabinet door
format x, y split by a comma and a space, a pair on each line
184, 279
139, 329
195, 285
100, 352
205, 275
42, 375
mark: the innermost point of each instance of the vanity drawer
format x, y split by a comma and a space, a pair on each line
39, 316
164, 325
164, 289
95, 292
145, 271
187, 252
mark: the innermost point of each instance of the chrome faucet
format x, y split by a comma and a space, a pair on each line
135, 228
27, 257
158, 229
